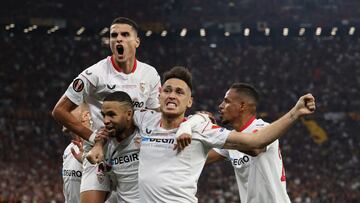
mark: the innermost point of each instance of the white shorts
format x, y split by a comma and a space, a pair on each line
92, 180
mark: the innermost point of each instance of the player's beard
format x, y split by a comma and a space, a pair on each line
119, 133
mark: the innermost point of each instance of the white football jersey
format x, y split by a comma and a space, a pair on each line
164, 174
260, 178
97, 81
124, 159
71, 173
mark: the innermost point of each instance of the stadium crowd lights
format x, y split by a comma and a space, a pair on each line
183, 32
104, 31
202, 32
80, 30
247, 32
302, 31
163, 33
286, 31
352, 31
53, 29
267, 31
10, 26
148, 33
333, 31
30, 28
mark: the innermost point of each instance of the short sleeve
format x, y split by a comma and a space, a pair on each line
212, 135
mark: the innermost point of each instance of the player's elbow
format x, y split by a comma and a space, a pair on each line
56, 113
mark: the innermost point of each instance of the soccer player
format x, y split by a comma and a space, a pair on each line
122, 148
168, 175
121, 71
72, 168
260, 173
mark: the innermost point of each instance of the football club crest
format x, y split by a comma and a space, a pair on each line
142, 87
100, 176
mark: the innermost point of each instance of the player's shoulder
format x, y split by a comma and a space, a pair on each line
146, 116
67, 150
146, 69
97, 69
208, 127
260, 123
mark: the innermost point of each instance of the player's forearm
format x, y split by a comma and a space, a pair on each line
262, 138
61, 113
71, 123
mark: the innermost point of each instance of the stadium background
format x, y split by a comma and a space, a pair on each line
283, 47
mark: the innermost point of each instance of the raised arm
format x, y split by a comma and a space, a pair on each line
61, 113
260, 139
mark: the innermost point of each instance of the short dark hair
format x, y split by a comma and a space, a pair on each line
120, 96
179, 72
247, 89
128, 21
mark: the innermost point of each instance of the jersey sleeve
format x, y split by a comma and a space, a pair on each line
222, 152
212, 135
143, 115
82, 86
155, 85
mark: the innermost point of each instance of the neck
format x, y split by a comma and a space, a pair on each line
171, 122
126, 66
243, 120
126, 133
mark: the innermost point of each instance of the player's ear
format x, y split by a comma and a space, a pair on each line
137, 40
129, 114
160, 90
190, 102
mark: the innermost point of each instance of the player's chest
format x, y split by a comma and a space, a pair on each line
138, 90
159, 142
239, 160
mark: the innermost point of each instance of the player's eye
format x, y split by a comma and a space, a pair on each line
167, 90
114, 35
125, 34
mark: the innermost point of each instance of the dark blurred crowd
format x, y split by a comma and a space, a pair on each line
36, 70
213, 12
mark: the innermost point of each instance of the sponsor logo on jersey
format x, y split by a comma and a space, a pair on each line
72, 173
78, 85
111, 87
240, 161
158, 140
148, 131
125, 159
137, 104
87, 72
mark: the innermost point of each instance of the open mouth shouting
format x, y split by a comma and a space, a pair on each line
171, 105
120, 49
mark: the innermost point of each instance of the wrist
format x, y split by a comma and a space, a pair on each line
184, 128
92, 137
293, 114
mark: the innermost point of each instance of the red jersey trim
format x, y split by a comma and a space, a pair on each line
248, 123
119, 69
184, 119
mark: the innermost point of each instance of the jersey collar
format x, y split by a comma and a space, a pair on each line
184, 119
247, 123
119, 69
